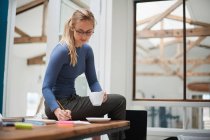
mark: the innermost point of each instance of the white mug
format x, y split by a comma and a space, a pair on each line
96, 98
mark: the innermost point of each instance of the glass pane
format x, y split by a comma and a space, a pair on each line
173, 117
165, 117
198, 50
158, 42
33, 100
67, 10
198, 118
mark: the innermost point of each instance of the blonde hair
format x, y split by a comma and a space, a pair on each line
68, 35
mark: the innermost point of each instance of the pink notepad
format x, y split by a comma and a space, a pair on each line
65, 122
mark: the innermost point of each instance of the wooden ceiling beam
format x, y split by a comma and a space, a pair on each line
197, 61
192, 45
204, 61
163, 15
29, 6
143, 21
173, 17
20, 32
39, 39
80, 3
166, 44
172, 74
38, 60
188, 20
44, 15
204, 46
205, 31
140, 47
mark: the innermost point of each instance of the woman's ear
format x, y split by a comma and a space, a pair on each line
70, 25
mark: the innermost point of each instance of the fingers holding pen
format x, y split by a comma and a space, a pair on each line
62, 115
65, 115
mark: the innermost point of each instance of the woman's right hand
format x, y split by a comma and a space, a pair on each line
62, 115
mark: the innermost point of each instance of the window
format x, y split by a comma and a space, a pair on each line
165, 57
172, 59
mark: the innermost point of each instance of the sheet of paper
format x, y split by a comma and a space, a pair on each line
73, 122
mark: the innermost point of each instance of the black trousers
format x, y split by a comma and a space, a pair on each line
81, 107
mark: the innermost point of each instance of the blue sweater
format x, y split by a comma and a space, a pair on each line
59, 80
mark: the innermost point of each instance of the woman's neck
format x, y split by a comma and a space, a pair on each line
78, 45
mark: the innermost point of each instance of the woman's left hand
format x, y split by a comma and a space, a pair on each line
105, 97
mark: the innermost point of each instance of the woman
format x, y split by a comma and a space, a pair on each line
69, 59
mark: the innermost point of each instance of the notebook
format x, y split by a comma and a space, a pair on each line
12, 119
40, 121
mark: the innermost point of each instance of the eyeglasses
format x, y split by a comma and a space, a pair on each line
87, 33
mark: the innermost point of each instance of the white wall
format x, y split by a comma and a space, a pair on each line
112, 44
119, 45
122, 49
101, 40
21, 80
19, 77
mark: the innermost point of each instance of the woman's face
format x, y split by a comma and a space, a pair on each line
82, 32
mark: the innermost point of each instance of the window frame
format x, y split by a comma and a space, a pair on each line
184, 99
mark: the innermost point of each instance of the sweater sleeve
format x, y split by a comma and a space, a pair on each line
56, 61
90, 72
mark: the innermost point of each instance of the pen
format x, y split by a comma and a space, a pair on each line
60, 105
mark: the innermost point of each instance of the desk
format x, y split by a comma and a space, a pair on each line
54, 131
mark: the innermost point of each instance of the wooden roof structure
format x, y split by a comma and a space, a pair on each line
26, 38
201, 31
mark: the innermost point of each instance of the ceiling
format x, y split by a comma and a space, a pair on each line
31, 22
